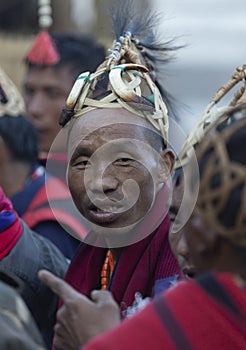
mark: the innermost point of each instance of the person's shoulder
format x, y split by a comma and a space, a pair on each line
32, 253
38, 240
44, 251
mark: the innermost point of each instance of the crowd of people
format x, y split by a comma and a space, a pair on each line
109, 237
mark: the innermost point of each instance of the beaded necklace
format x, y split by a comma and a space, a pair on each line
107, 270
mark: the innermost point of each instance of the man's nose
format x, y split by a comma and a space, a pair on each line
101, 180
35, 106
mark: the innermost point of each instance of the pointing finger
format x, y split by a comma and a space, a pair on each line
57, 285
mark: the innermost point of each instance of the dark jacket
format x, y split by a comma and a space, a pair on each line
31, 254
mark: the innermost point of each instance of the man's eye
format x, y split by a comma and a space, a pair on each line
81, 163
123, 161
28, 91
54, 94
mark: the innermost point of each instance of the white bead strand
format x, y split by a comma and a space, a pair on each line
45, 19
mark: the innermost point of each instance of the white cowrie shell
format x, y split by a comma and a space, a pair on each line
76, 90
122, 89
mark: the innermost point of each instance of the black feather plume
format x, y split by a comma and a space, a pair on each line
155, 50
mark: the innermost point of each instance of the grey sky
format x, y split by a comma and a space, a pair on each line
215, 33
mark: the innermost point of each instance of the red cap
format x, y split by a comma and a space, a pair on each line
43, 51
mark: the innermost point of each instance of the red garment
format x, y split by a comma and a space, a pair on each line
138, 267
58, 194
206, 314
11, 233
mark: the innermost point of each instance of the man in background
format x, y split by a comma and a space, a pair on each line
50, 74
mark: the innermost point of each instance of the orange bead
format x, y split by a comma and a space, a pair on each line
107, 269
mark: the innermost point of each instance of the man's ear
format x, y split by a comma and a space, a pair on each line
166, 164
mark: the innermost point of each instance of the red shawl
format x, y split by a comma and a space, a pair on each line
205, 315
137, 269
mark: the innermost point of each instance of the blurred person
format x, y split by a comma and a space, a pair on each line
23, 253
52, 65
211, 115
208, 312
25, 181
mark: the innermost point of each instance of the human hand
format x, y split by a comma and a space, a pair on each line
80, 319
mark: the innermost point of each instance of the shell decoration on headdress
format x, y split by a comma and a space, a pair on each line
11, 101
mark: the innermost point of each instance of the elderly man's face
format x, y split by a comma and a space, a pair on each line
114, 171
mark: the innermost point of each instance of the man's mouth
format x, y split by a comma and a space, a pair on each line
103, 214
106, 210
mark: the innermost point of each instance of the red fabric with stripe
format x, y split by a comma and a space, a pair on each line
39, 210
12, 233
206, 324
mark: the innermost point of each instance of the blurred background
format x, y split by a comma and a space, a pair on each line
213, 32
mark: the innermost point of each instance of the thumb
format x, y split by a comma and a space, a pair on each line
102, 297
108, 306
57, 285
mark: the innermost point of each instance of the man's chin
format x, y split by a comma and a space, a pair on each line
114, 237
109, 232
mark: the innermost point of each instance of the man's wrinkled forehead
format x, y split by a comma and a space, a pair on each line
87, 126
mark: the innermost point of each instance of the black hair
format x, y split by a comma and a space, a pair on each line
79, 52
155, 139
20, 136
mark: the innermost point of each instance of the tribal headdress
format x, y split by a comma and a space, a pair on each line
11, 102
222, 164
130, 70
212, 115
187, 157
